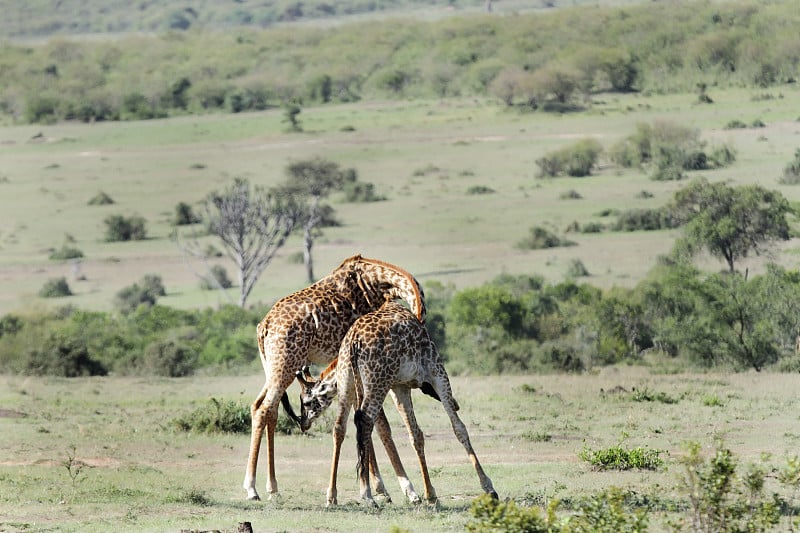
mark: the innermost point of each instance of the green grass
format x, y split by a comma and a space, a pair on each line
429, 224
139, 473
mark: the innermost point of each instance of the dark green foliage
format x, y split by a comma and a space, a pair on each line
169, 358
619, 458
646, 395
791, 174
577, 269
576, 160
735, 124
291, 114
730, 222
216, 416
607, 512
101, 198
184, 215
146, 292
220, 279
10, 324
358, 191
120, 228
540, 238
480, 189
645, 220
66, 252
490, 515
62, 354
722, 500
55, 288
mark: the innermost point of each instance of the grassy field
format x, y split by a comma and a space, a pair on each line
140, 474
422, 155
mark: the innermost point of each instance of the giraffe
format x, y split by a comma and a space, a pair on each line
387, 350
307, 327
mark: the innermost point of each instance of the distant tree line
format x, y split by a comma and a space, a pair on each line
554, 61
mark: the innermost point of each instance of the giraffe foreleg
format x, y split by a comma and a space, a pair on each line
451, 406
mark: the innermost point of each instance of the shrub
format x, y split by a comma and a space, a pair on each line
571, 194
184, 215
169, 358
592, 227
216, 416
577, 269
55, 288
63, 355
65, 253
120, 228
540, 238
619, 458
735, 124
218, 277
606, 513
359, 191
131, 297
576, 160
720, 500
480, 189
101, 198
492, 515
645, 220
791, 173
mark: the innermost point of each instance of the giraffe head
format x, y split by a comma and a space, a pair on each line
376, 281
316, 395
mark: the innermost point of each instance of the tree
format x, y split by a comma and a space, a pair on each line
730, 222
308, 181
252, 225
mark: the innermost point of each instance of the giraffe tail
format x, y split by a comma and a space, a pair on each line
361, 443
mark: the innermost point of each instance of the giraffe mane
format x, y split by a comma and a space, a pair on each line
402, 272
329, 369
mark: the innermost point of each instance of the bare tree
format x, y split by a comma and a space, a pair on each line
308, 182
252, 225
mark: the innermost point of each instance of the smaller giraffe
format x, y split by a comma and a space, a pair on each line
384, 351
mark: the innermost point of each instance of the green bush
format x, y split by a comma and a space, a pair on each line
216, 416
540, 238
62, 354
720, 500
576, 160
101, 198
65, 253
645, 220
120, 228
619, 458
169, 358
184, 215
55, 288
220, 279
791, 173
490, 515
480, 189
145, 293
577, 269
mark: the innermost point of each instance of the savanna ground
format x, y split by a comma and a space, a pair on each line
132, 470
424, 156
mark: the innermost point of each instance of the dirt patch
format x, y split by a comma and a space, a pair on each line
8, 413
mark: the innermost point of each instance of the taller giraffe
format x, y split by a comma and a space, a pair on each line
307, 327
